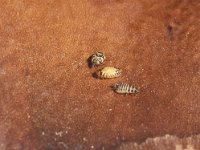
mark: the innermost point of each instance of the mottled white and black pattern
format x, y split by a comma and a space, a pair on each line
108, 73
123, 88
97, 59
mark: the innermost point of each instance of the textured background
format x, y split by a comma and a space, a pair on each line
48, 97
166, 142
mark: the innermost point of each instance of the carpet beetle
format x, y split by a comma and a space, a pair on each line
97, 59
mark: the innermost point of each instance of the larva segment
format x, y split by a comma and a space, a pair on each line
124, 88
108, 73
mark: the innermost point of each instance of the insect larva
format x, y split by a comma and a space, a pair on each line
108, 72
97, 59
123, 88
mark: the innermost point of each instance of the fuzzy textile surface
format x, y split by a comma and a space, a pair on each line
49, 99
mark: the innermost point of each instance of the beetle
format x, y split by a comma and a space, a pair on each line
96, 59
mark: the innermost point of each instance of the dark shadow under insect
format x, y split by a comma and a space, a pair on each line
94, 75
89, 62
113, 87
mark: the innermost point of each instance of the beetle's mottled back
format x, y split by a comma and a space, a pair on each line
97, 59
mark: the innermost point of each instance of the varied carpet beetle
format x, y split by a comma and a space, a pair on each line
96, 59
124, 88
108, 72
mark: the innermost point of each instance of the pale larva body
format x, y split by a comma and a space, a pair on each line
97, 59
108, 73
123, 88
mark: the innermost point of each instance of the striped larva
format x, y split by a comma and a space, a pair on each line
108, 72
124, 88
97, 59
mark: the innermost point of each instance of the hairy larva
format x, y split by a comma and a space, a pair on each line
108, 72
124, 88
97, 59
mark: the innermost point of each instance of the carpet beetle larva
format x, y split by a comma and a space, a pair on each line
108, 72
123, 88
